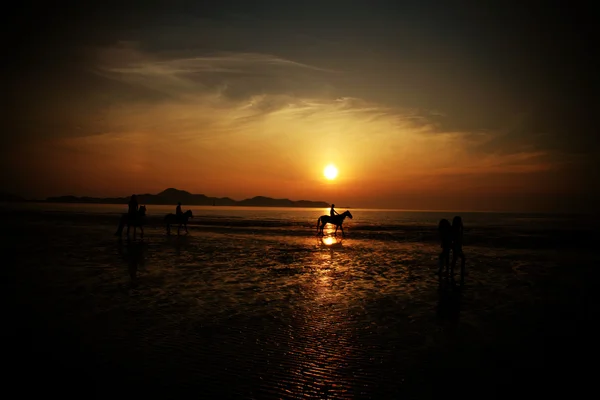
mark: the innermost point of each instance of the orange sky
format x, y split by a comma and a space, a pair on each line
246, 122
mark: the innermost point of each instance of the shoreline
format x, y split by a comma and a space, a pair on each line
373, 209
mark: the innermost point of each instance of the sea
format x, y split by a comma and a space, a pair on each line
252, 303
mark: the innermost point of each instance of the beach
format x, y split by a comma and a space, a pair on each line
252, 304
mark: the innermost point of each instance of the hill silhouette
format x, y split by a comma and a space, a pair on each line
173, 196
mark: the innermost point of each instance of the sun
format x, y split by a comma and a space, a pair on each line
330, 172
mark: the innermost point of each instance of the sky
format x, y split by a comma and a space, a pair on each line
419, 105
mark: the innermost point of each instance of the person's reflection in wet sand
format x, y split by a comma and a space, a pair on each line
134, 255
449, 302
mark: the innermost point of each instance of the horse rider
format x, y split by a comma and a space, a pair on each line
133, 207
178, 212
332, 212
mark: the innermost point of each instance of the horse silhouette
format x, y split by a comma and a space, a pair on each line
137, 222
173, 219
336, 220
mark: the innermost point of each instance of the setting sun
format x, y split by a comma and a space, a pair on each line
330, 172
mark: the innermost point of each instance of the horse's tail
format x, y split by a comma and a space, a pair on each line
318, 223
120, 228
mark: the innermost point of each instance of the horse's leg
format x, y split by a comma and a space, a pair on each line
185, 225
336, 228
141, 232
342, 227
178, 228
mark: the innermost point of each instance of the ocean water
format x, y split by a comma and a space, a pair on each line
482, 229
251, 303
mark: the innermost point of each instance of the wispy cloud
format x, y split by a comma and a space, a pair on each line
187, 75
248, 115
235, 63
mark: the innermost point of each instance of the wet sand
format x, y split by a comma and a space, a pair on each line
241, 312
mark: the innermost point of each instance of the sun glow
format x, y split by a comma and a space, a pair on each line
330, 172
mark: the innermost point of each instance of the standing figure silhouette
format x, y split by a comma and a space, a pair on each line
445, 230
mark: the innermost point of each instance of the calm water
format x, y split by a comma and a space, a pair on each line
362, 217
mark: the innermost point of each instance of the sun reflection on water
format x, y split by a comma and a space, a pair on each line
328, 241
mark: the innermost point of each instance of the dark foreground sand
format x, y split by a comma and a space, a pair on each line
242, 314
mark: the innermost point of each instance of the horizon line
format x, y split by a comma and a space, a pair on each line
450, 211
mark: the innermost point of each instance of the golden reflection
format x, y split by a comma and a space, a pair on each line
325, 345
328, 241
329, 230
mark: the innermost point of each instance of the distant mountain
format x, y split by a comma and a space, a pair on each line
173, 196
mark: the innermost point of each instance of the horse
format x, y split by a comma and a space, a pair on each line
138, 221
181, 220
336, 220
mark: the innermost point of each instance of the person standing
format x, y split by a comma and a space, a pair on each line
445, 232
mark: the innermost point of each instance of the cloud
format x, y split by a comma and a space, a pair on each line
224, 118
233, 74
245, 102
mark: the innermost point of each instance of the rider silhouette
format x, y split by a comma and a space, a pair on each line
133, 207
332, 212
178, 212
